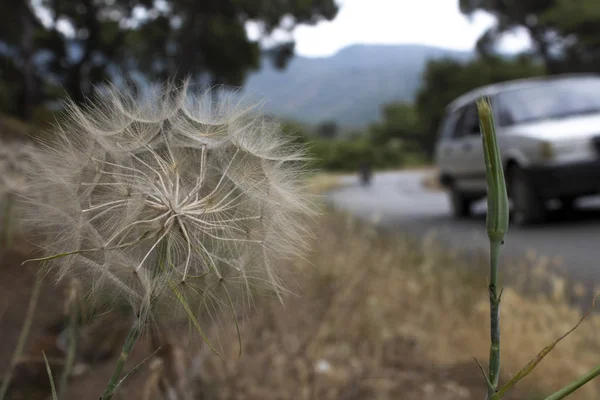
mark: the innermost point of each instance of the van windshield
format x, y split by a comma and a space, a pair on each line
549, 100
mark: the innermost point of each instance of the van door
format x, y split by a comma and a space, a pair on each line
470, 163
445, 148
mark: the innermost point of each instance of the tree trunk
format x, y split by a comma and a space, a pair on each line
77, 81
552, 65
73, 84
28, 74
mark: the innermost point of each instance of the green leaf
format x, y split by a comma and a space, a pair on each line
70, 253
487, 380
527, 369
576, 384
54, 256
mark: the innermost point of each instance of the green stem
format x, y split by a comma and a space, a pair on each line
130, 341
573, 386
35, 292
494, 367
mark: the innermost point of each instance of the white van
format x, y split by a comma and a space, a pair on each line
548, 131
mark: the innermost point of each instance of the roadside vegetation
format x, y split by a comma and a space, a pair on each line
380, 315
373, 314
405, 135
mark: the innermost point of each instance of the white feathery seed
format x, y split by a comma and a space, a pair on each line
167, 198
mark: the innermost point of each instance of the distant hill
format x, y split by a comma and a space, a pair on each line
348, 87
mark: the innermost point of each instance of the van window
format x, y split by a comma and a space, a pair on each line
448, 125
469, 121
549, 100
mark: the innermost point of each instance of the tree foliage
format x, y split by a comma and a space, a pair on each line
565, 33
406, 133
327, 129
18, 81
579, 21
75, 44
400, 124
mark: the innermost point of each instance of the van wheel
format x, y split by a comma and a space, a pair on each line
528, 207
567, 204
461, 204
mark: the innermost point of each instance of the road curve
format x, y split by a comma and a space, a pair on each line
400, 201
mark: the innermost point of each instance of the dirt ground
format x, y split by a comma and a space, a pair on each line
99, 346
373, 318
320, 345
267, 346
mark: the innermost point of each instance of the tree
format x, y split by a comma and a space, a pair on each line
84, 39
327, 129
520, 13
400, 123
566, 33
446, 79
579, 21
80, 43
208, 38
18, 76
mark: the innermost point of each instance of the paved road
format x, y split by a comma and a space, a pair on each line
399, 200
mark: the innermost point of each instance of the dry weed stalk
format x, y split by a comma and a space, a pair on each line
14, 160
23, 335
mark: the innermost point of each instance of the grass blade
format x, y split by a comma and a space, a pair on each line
191, 315
49, 371
130, 341
138, 366
573, 386
33, 300
164, 258
81, 251
527, 369
133, 370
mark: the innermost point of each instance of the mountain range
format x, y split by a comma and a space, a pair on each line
349, 87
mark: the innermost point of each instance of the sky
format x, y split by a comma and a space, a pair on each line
430, 22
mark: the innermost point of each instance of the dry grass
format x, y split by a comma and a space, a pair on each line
11, 128
324, 182
14, 129
386, 317
375, 316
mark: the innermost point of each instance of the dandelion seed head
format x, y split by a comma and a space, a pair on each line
168, 197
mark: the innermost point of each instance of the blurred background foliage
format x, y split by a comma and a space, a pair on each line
50, 49
51, 46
